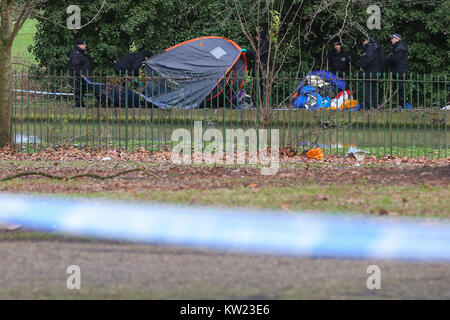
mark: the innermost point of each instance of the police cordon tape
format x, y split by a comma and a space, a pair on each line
47, 93
297, 234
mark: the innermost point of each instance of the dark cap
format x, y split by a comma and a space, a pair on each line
79, 41
336, 42
395, 35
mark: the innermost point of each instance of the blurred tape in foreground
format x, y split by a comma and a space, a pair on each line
254, 231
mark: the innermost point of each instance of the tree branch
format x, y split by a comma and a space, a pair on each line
25, 13
82, 175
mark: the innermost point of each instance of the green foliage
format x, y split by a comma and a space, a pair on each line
158, 24
105, 40
424, 27
275, 24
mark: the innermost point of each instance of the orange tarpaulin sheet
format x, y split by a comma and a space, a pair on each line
315, 154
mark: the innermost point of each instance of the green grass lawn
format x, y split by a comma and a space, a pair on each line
360, 197
355, 198
22, 41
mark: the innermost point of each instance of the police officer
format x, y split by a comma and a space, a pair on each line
339, 60
371, 65
79, 65
398, 61
131, 63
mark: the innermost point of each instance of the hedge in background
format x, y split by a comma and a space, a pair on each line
128, 25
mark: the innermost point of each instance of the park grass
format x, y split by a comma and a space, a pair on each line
157, 146
63, 111
26, 235
414, 134
23, 40
419, 200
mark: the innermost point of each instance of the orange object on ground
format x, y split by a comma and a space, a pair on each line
350, 104
315, 154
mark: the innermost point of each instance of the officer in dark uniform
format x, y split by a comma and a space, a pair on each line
371, 67
79, 64
131, 63
339, 60
398, 61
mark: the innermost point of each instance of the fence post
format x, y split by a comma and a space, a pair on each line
126, 110
445, 113
390, 114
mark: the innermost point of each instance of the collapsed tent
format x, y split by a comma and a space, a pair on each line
201, 72
195, 73
116, 95
323, 90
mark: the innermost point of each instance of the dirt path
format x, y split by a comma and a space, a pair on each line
37, 269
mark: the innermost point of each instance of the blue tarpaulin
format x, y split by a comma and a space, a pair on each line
314, 90
327, 76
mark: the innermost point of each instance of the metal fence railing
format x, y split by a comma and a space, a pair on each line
382, 114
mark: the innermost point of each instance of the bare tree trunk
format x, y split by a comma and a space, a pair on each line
5, 82
5, 96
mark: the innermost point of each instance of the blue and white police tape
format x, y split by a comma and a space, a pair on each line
236, 230
47, 93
